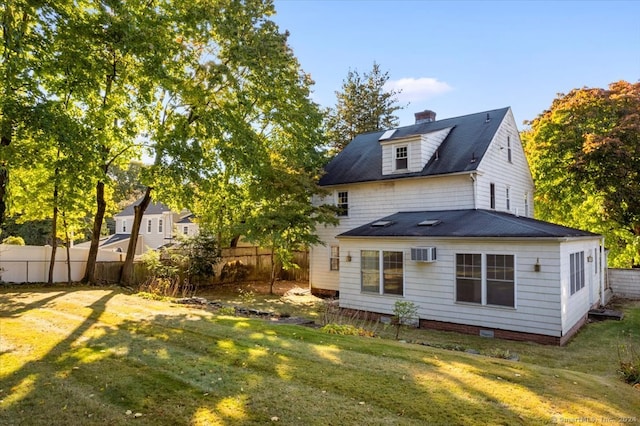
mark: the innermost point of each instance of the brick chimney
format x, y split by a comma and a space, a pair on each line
425, 116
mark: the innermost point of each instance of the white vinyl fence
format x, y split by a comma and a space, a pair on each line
30, 264
625, 282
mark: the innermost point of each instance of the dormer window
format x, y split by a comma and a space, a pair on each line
402, 157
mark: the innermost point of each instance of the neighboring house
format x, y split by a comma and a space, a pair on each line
158, 228
439, 213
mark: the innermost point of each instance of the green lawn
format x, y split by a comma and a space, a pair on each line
100, 356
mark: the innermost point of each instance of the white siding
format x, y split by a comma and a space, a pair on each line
432, 285
496, 168
576, 306
373, 200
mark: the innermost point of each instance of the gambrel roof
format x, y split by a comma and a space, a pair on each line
461, 151
463, 224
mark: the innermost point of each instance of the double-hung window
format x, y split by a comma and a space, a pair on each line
402, 157
492, 195
160, 226
485, 279
124, 225
343, 203
334, 260
576, 265
382, 272
148, 226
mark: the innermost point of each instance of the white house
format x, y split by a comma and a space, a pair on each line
440, 213
158, 228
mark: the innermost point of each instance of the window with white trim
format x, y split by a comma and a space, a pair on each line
160, 225
485, 279
402, 157
576, 271
124, 225
185, 230
149, 226
509, 149
343, 203
508, 198
382, 272
334, 259
492, 195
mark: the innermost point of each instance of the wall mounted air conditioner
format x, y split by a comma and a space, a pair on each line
423, 254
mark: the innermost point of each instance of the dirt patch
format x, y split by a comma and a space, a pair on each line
227, 290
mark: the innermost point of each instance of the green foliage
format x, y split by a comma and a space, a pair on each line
13, 240
362, 106
346, 330
584, 154
227, 310
200, 252
629, 361
404, 311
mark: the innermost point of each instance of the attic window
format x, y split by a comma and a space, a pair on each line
381, 223
430, 222
402, 157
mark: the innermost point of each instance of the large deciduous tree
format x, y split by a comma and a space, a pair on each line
584, 154
363, 105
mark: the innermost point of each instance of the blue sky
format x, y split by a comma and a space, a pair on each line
461, 57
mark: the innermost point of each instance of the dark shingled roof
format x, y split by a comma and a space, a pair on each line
361, 159
152, 208
115, 238
187, 219
464, 224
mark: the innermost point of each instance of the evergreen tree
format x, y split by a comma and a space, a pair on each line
362, 106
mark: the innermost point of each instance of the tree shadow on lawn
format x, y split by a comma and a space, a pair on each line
189, 366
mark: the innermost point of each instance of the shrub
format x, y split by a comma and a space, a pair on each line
629, 363
403, 313
227, 310
346, 330
13, 240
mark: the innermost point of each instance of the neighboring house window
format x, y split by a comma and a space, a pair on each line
493, 284
124, 226
509, 148
334, 262
382, 272
526, 204
343, 203
402, 158
149, 226
492, 195
508, 199
576, 265
160, 225
185, 230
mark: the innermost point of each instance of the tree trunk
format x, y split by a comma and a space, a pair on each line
5, 141
89, 274
126, 278
68, 243
54, 231
54, 245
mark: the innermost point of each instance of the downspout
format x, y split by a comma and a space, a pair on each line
475, 190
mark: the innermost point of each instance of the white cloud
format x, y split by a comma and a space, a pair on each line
417, 89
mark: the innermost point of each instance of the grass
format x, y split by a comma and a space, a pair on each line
85, 356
